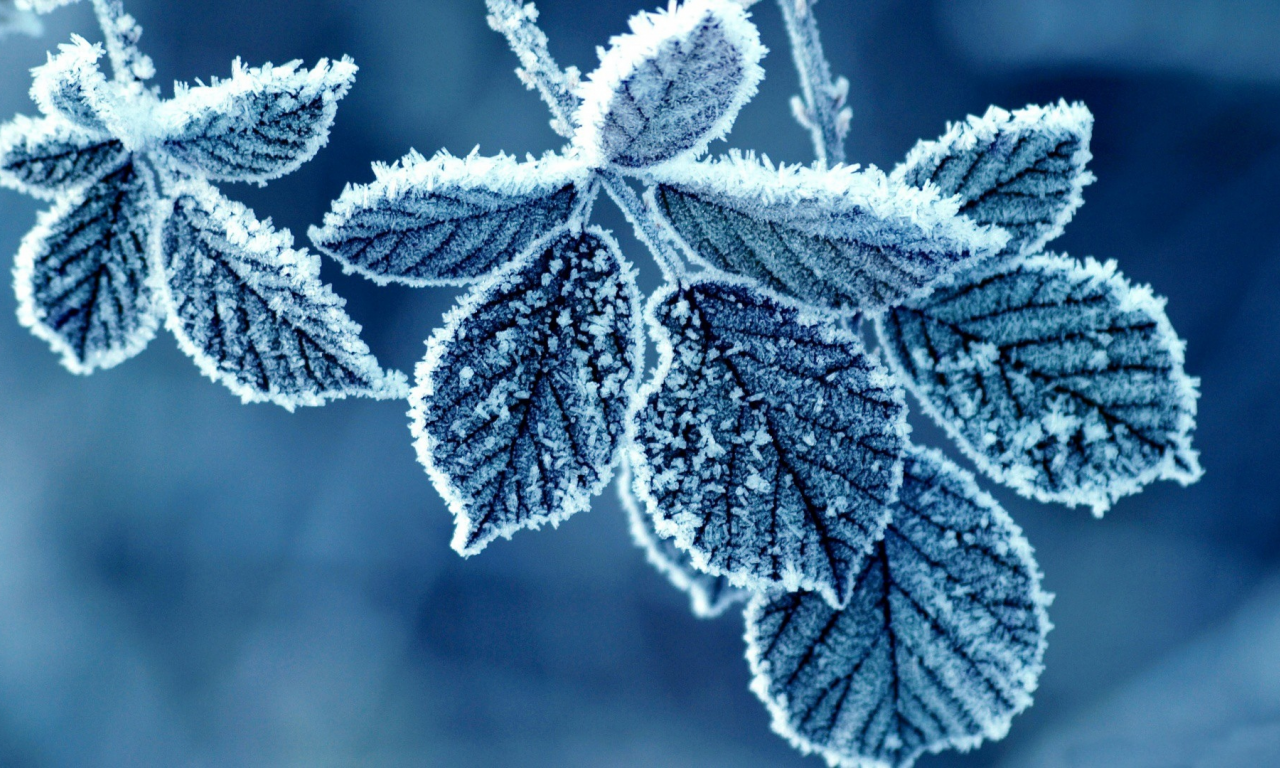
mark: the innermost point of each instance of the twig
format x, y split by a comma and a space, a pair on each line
822, 111
122, 33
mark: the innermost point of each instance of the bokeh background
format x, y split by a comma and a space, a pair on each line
188, 581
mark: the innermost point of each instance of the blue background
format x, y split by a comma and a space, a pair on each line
186, 581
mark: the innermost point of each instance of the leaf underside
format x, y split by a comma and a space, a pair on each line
83, 276
1059, 379
770, 446
522, 399
940, 646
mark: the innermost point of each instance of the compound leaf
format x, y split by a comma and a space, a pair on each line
447, 221
260, 124
521, 401
71, 86
670, 87
709, 596
43, 158
1058, 379
83, 275
1023, 171
253, 312
939, 648
769, 446
842, 238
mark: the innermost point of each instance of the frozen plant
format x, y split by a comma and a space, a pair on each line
138, 234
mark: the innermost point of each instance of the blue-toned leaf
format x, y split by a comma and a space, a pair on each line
253, 312
1058, 379
448, 220
45, 157
709, 596
770, 444
671, 87
939, 648
1023, 171
260, 124
83, 277
70, 85
842, 238
521, 402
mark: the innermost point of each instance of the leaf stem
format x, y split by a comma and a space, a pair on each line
822, 111
121, 33
647, 228
538, 69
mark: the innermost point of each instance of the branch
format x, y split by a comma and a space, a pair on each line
121, 32
822, 111
518, 23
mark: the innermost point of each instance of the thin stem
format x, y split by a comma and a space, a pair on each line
822, 110
646, 225
538, 69
121, 33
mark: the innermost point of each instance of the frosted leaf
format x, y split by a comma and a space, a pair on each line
1060, 380
83, 276
1023, 171
46, 157
769, 445
253, 312
521, 401
260, 124
839, 238
447, 220
709, 596
70, 85
670, 87
939, 648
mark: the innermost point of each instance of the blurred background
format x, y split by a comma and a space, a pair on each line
187, 581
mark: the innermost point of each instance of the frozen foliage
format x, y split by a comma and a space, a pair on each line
939, 648
1059, 379
709, 596
670, 87
769, 445
1023, 171
447, 220
841, 238
521, 402
96, 275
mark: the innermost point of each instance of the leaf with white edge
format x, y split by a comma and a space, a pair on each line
83, 276
1023, 171
769, 445
253, 312
939, 648
709, 596
44, 158
842, 238
671, 87
71, 85
260, 124
1059, 379
522, 399
448, 220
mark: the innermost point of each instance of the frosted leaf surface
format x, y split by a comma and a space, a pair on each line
83, 277
253, 312
1023, 171
838, 238
521, 401
447, 220
1058, 379
258, 125
939, 648
46, 157
71, 85
671, 86
770, 444
709, 596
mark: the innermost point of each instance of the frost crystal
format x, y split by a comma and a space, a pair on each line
671, 87
447, 221
839, 238
940, 646
769, 445
521, 401
70, 85
1059, 379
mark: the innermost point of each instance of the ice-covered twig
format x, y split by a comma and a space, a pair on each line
121, 33
518, 23
646, 225
822, 110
